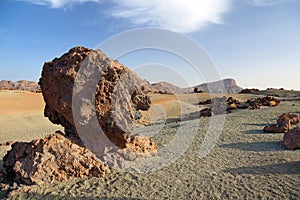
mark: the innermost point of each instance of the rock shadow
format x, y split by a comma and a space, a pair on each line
281, 168
256, 131
252, 124
256, 146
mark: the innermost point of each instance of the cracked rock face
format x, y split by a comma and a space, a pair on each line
53, 158
83, 90
103, 89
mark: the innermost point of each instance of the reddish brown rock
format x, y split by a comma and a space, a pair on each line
142, 145
291, 139
53, 158
293, 118
269, 101
283, 123
208, 101
119, 94
281, 128
249, 91
206, 112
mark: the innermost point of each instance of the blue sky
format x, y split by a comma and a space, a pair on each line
254, 41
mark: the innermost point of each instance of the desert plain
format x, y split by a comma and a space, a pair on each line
244, 163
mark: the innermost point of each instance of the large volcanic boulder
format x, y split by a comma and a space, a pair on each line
53, 158
291, 139
86, 87
118, 94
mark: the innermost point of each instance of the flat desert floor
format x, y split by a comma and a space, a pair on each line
22, 118
245, 163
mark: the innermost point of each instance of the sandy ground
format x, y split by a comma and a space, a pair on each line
245, 163
21, 117
13, 102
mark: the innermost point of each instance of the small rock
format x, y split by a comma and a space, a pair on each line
291, 139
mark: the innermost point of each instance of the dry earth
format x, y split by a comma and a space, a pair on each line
21, 117
245, 163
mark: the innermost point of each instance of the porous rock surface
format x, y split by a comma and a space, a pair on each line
103, 93
118, 94
53, 158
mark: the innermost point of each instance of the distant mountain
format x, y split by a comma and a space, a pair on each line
230, 86
167, 87
19, 85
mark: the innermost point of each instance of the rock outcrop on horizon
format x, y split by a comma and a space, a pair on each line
166, 87
230, 87
53, 158
20, 85
119, 95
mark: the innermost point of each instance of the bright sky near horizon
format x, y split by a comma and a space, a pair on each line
255, 42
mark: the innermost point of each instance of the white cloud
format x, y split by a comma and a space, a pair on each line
178, 15
267, 2
58, 3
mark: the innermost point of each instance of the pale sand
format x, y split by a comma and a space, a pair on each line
13, 102
22, 118
244, 164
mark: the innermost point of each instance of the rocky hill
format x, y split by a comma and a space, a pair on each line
19, 85
167, 87
230, 87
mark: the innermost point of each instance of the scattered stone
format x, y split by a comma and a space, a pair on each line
293, 118
283, 123
249, 91
206, 112
243, 105
53, 158
291, 139
266, 101
8, 143
205, 102
282, 128
196, 90
226, 105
